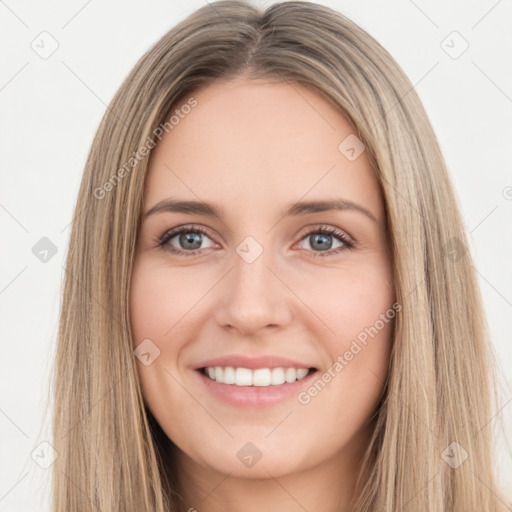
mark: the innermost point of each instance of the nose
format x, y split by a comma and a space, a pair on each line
253, 297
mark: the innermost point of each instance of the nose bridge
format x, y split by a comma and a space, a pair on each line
253, 298
251, 272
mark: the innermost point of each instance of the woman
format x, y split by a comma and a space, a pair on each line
312, 348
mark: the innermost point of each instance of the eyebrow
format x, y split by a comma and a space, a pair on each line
296, 209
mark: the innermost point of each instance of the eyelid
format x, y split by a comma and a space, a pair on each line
313, 228
185, 227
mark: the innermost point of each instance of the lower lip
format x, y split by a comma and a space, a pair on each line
255, 395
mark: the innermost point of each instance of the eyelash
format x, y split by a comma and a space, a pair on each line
169, 235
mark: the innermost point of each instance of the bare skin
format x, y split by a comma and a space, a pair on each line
253, 148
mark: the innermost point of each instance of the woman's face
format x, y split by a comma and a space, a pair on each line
273, 281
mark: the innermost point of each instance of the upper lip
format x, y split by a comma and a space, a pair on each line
240, 361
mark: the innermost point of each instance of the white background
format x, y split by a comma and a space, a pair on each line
52, 107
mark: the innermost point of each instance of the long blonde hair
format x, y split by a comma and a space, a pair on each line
441, 385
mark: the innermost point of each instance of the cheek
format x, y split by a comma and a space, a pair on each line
158, 309
345, 301
165, 307
356, 305
153, 306
160, 299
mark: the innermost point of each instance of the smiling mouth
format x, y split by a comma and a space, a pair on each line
261, 377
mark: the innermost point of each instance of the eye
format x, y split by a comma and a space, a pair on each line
188, 238
321, 238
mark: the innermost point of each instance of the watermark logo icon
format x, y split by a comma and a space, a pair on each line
44, 250
454, 455
44, 455
454, 45
351, 147
249, 249
146, 352
45, 45
249, 455
454, 249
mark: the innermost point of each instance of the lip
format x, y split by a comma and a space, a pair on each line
254, 396
253, 363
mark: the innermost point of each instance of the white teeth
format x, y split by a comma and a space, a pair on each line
243, 377
301, 373
229, 375
277, 376
261, 377
290, 374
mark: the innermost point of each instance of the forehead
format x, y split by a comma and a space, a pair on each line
260, 144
